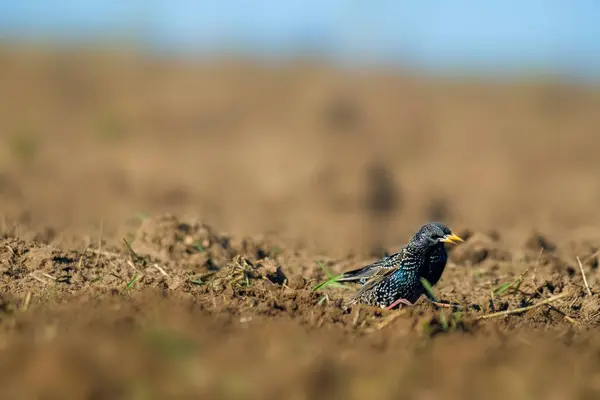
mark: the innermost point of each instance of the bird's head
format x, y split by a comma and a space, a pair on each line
434, 234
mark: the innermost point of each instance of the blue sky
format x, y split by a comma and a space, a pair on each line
436, 34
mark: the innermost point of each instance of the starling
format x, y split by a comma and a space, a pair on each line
396, 278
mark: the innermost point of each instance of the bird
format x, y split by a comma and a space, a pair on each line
396, 278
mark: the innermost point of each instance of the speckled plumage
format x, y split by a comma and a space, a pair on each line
397, 277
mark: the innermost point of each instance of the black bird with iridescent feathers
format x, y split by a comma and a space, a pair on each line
396, 278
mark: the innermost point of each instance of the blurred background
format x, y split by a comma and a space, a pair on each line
342, 125
300, 132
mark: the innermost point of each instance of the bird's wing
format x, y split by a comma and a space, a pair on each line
371, 270
378, 277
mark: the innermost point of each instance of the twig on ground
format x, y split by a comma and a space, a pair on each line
37, 278
565, 316
387, 321
594, 254
585, 282
99, 244
26, 302
104, 253
537, 264
356, 316
522, 309
48, 276
446, 305
161, 270
132, 265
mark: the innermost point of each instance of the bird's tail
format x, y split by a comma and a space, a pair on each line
359, 274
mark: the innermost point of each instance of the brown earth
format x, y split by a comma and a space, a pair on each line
234, 183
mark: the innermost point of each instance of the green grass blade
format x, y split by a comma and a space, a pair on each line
131, 282
325, 269
198, 246
131, 251
332, 281
502, 288
515, 284
443, 321
428, 288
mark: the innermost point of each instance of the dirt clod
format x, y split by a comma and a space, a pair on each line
537, 241
478, 248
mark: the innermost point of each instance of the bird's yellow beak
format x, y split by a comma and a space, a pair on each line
452, 238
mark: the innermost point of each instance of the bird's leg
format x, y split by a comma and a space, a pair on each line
403, 301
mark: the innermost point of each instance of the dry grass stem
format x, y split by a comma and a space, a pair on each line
522, 309
585, 282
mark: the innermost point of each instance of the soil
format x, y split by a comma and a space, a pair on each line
164, 224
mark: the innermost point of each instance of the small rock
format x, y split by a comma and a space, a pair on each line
476, 250
175, 283
269, 269
297, 282
494, 235
198, 261
557, 264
